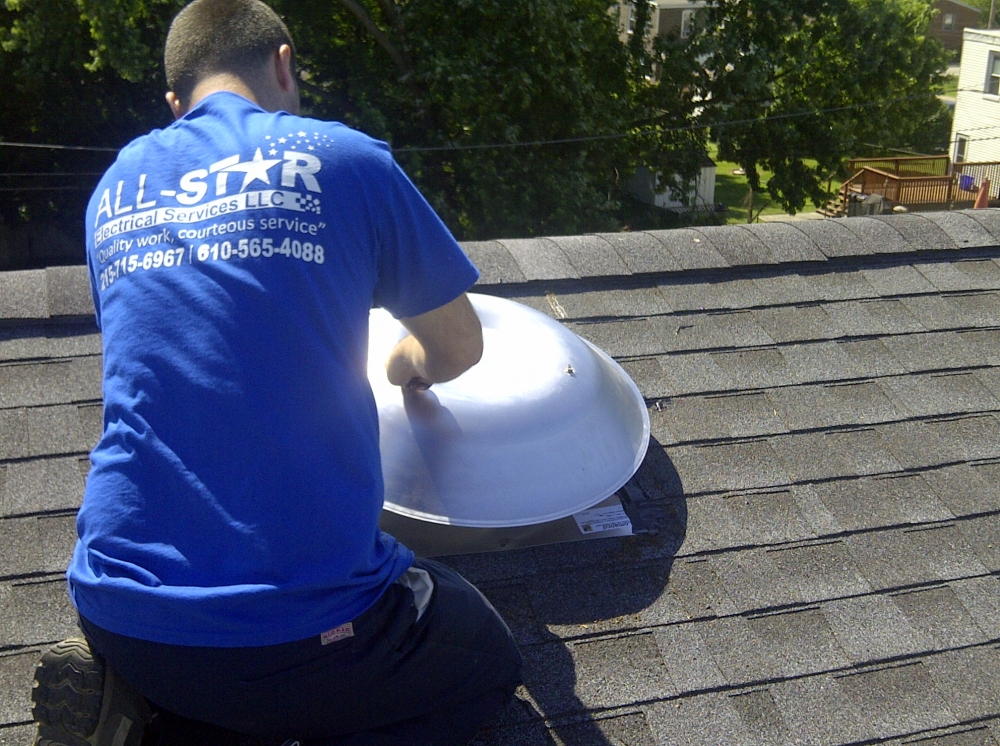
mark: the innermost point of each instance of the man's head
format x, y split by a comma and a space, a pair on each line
229, 40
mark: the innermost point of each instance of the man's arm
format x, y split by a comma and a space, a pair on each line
442, 344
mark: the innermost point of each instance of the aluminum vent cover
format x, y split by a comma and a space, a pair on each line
546, 425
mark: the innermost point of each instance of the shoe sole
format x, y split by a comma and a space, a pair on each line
69, 687
75, 694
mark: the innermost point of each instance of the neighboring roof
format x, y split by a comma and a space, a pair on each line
682, 4
986, 36
956, 2
822, 489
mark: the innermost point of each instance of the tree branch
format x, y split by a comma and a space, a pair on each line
383, 41
389, 10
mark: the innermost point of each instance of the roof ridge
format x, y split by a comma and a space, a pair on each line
730, 247
64, 292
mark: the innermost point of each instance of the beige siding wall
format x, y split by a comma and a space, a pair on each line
977, 114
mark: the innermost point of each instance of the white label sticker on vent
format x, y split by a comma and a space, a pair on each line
603, 519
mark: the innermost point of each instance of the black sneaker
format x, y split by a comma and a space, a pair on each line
79, 701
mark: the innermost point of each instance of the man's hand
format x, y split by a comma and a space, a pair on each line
443, 344
401, 369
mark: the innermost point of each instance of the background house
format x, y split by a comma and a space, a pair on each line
647, 187
667, 15
677, 15
975, 131
951, 21
626, 18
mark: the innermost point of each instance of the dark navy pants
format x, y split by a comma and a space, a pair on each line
397, 681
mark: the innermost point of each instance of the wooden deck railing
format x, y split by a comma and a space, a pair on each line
909, 182
968, 177
930, 165
905, 190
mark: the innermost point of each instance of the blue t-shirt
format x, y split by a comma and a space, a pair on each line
234, 496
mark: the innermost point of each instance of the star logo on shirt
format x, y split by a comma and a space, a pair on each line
255, 170
298, 142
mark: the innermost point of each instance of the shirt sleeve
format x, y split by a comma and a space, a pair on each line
421, 266
91, 262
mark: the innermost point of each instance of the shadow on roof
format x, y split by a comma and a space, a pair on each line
547, 707
563, 627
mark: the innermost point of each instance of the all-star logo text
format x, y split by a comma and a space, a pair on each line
194, 186
230, 186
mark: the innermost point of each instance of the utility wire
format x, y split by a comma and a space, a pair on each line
915, 154
972, 90
980, 139
56, 147
912, 153
50, 173
641, 132
662, 130
977, 129
45, 189
522, 144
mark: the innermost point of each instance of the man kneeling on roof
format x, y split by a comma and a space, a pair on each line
229, 567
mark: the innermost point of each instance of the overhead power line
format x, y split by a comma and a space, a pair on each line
640, 132
41, 146
47, 189
977, 129
648, 131
51, 173
978, 139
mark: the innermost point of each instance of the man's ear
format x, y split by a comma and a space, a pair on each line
175, 105
284, 77
283, 69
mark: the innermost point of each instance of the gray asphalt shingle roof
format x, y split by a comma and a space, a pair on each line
821, 493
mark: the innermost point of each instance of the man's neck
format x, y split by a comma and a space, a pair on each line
221, 82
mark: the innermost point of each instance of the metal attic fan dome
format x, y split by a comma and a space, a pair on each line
546, 425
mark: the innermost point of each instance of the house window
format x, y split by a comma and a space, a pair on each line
993, 81
948, 21
687, 23
961, 148
630, 23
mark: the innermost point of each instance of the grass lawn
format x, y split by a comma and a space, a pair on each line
732, 190
950, 86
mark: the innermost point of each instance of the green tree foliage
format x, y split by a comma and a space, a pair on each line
466, 73
790, 81
418, 73
984, 10
80, 72
459, 86
667, 112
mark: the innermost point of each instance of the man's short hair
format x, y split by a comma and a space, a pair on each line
220, 36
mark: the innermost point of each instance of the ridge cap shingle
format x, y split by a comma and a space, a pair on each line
64, 291
733, 247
